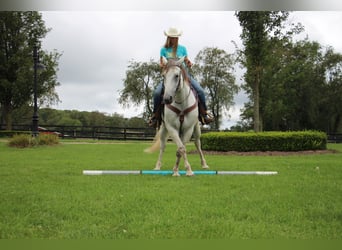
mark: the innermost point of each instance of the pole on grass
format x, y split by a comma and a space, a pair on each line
169, 172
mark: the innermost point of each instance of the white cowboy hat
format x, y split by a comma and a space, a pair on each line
173, 32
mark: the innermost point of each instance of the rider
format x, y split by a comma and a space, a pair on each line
172, 49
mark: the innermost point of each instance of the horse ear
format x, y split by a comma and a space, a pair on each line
181, 60
164, 60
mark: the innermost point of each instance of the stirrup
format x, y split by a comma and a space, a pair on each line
206, 118
152, 122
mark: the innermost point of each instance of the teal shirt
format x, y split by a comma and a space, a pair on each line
167, 52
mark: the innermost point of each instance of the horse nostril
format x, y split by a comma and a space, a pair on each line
168, 100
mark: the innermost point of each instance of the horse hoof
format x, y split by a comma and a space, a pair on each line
205, 167
190, 174
176, 174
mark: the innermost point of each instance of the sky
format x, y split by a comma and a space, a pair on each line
97, 47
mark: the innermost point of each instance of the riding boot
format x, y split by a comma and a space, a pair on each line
204, 117
155, 120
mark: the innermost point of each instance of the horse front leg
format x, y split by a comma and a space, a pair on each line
181, 152
176, 167
187, 165
185, 138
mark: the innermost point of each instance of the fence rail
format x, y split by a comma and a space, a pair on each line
334, 138
93, 132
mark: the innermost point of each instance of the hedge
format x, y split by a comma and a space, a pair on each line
264, 141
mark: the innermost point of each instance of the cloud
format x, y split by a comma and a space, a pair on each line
98, 45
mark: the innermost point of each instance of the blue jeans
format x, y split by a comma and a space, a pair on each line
157, 94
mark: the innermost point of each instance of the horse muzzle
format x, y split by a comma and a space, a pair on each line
167, 99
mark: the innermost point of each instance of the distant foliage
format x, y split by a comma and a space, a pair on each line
27, 141
264, 141
54, 117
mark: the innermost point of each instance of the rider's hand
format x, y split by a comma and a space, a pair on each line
188, 63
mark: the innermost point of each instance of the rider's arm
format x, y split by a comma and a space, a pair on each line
188, 62
162, 62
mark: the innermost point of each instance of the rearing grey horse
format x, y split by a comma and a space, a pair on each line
180, 119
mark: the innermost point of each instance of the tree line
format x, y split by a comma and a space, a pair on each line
291, 84
54, 117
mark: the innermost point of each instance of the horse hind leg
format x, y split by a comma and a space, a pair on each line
197, 136
162, 139
159, 161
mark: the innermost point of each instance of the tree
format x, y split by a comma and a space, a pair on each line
141, 79
214, 69
332, 98
256, 28
302, 82
19, 32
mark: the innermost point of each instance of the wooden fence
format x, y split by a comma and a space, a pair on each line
115, 133
92, 132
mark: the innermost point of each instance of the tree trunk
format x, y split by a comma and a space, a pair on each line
7, 116
256, 103
217, 117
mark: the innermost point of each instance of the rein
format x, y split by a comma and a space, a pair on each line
184, 97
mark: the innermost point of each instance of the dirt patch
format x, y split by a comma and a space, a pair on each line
268, 153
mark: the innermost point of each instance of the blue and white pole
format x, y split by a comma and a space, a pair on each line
170, 172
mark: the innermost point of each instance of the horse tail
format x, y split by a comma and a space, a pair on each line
156, 144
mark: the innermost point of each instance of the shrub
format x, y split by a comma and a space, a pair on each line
21, 141
25, 140
48, 139
264, 141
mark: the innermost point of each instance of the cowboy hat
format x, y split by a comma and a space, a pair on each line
173, 32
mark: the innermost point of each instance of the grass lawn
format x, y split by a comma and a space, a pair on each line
45, 196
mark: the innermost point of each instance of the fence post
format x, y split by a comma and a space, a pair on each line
93, 133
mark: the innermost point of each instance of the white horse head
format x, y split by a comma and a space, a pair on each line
174, 78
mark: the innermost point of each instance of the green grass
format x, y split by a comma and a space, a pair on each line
44, 195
